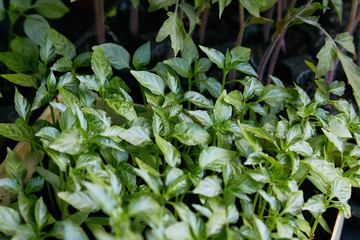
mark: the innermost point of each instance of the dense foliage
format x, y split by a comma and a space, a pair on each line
195, 161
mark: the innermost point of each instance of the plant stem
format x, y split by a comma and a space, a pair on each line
269, 14
224, 79
275, 56
203, 24
240, 34
99, 16
189, 89
134, 20
52, 114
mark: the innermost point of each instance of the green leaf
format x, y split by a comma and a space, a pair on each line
337, 88
294, 203
36, 28
334, 139
190, 13
202, 65
99, 195
240, 55
178, 230
157, 4
215, 56
315, 204
171, 154
216, 222
2, 10
151, 81
41, 213
52, 9
47, 50
101, 66
9, 220
137, 136
16, 62
222, 110
79, 200
49, 176
338, 5
70, 141
303, 148
274, 95
63, 64
214, 158
73, 232
273, 202
261, 230
34, 185
198, 99
352, 72
174, 27
70, 99
347, 41
180, 65
63, 46
116, 55
25, 46
341, 189
42, 97
191, 134
21, 79
15, 168
142, 205
189, 51
203, 117
91, 82
142, 56
18, 132
83, 60
122, 106
210, 186
22, 106
11, 185
326, 56
154, 182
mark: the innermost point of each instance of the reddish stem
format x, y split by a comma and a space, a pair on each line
275, 56
203, 24
134, 21
269, 14
99, 16
240, 35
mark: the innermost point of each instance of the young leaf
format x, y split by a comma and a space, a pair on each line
25, 46
52, 9
137, 136
216, 222
174, 27
122, 106
222, 110
178, 230
261, 230
42, 97
80, 200
63, 64
91, 82
101, 66
70, 141
180, 65
215, 56
11, 185
326, 56
352, 72
47, 50
171, 154
15, 168
198, 99
341, 189
203, 117
190, 13
34, 185
116, 55
36, 28
215, 158
73, 232
22, 106
49, 176
191, 134
294, 203
83, 59
62, 45
154, 182
151, 81
189, 51
334, 139
41, 214
142, 56
315, 204
347, 41
210, 186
